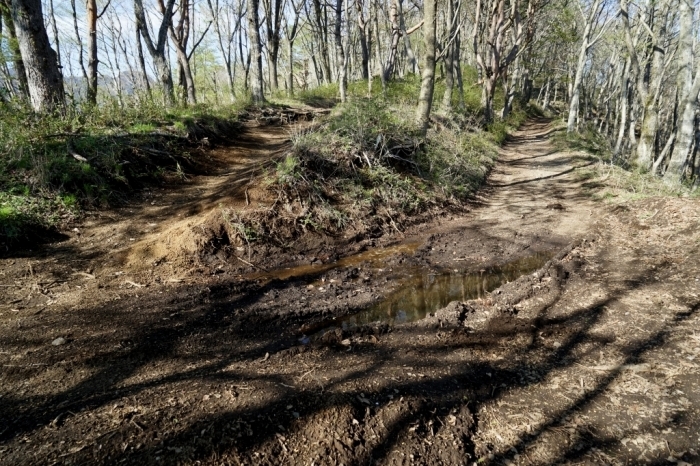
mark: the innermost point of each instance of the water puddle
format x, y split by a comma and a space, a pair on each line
373, 258
424, 292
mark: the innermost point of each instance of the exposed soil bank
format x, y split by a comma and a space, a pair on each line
593, 359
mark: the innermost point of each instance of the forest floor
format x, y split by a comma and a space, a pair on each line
115, 349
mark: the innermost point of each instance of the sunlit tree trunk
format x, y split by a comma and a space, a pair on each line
340, 51
273, 22
44, 79
688, 89
449, 56
92, 52
407, 38
142, 63
322, 32
291, 35
425, 99
157, 49
363, 26
586, 44
624, 109
649, 78
256, 84
394, 44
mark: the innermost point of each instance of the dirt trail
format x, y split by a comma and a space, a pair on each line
533, 201
591, 360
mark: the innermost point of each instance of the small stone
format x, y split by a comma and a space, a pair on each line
59, 341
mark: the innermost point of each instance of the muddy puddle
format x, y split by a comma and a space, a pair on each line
425, 292
372, 258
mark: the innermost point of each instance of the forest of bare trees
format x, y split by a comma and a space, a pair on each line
628, 72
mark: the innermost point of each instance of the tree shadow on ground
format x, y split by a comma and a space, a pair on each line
147, 350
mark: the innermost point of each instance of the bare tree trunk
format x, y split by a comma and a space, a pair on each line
379, 59
142, 63
273, 22
44, 79
688, 89
80, 49
457, 68
54, 29
340, 51
291, 37
509, 87
425, 99
449, 56
394, 45
363, 27
180, 36
322, 27
20, 70
492, 56
544, 93
586, 44
413, 61
256, 84
92, 52
648, 81
157, 49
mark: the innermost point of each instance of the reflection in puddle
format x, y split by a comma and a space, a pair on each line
425, 292
373, 257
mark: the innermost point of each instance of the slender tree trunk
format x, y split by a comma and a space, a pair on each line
186, 73
394, 45
44, 79
487, 93
142, 63
425, 99
509, 89
92, 52
363, 26
457, 67
54, 29
413, 61
545, 99
449, 57
290, 75
340, 52
624, 107
256, 84
321, 26
273, 21
378, 60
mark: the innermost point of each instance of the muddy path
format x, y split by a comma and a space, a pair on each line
590, 357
